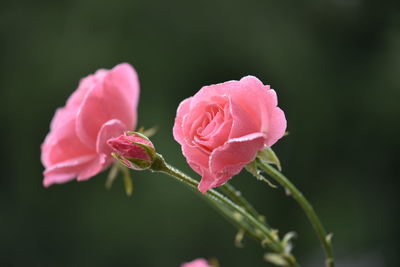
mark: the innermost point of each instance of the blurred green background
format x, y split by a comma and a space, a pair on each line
334, 64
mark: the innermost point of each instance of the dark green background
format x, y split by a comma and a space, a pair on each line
334, 64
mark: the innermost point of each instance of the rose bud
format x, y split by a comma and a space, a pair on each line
134, 150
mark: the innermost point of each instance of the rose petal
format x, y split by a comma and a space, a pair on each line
231, 157
110, 129
183, 109
242, 123
62, 144
121, 94
115, 98
94, 167
66, 171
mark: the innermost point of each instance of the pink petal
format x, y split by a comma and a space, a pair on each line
209, 181
121, 93
277, 126
110, 129
242, 124
235, 154
85, 85
62, 143
94, 167
67, 170
91, 116
115, 98
183, 109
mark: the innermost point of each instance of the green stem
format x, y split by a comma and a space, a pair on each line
308, 209
237, 197
237, 215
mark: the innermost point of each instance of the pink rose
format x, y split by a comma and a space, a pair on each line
196, 263
223, 126
103, 106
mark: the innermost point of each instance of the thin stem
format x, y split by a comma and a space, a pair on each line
237, 197
306, 206
237, 215
240, 224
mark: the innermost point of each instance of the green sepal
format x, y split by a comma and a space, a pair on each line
128, 184
112, 175
120, 159
252, 168
148, 132
149, 149
268, 156
139, 164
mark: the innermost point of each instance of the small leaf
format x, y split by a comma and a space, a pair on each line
112, 175
252, 168
239, 238
268, 156
276, 259
287, 241
328, 238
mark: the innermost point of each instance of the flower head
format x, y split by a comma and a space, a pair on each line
103, 106
223, 126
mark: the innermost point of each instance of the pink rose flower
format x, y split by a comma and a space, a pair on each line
196, 263
103, 106
223, 126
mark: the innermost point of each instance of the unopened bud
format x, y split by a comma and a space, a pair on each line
134, 150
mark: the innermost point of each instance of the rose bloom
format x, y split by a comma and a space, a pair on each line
103, 106
223, 126
196, 263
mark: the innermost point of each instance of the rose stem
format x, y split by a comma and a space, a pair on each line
216, 198
306, 206
236, 196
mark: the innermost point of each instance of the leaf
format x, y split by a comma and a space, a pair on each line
268, 156
276, 259
328, 238
252, 168
239, 238
287, 241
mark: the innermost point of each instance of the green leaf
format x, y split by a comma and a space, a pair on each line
268, 156
252, 168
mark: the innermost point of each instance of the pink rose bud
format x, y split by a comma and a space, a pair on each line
134, 150
196, 263
223, 126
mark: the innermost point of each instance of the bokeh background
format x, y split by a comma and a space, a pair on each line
334, 64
